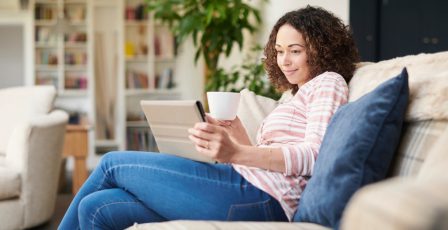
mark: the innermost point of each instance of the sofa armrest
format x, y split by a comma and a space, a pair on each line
35, 150
399, 203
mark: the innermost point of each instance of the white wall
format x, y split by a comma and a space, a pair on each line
11, 56
190, 77
15, 46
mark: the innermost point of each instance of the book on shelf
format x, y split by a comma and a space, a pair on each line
140, 139
45, 35
75, 13
75, 37
75, 58
46, 57
75, 81
136, 13
46, 79
45, 12
165, 79
163, 43
136, 80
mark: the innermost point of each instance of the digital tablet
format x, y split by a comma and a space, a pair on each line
169, 122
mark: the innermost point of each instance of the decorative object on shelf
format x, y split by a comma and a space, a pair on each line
214, 25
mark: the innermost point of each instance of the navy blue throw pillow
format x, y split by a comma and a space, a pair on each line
357, 149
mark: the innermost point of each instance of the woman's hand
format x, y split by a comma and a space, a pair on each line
214, 141
234, 128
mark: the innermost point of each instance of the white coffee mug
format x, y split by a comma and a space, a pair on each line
223, 105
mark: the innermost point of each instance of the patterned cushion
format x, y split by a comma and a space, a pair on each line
436, 162
418, 137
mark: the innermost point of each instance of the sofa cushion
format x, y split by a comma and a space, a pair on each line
9, 183
216, 225
399, 204
418, 137
357, 149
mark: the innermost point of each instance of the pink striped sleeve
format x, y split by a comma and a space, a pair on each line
323, 98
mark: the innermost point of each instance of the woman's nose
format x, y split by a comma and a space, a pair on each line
285, 60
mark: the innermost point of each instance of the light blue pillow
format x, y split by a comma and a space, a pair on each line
357, 149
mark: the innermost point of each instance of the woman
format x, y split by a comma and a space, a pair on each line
309, 51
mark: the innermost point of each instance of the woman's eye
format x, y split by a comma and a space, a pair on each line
295, 51
279, 51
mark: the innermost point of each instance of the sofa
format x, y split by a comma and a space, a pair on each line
413, 196
31, 139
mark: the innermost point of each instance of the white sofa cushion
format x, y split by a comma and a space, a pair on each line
9, 183
20, 104
254, 108
216, 225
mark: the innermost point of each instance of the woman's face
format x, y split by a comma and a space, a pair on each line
291, 55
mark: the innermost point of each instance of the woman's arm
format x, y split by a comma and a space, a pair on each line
214, 141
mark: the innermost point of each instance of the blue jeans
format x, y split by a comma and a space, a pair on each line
136, 187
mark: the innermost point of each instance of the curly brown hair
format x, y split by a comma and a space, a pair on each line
328, 43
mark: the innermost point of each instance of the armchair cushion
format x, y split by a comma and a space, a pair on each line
9, 183
357, 149
21, 104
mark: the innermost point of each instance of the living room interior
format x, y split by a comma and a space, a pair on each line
100, 58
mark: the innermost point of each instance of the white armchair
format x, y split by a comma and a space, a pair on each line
31, 139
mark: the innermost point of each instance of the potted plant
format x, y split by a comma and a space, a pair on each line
215, 25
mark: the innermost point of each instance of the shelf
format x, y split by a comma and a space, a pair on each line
165, 59
136, 92
136, 124
75, 45
106, 143
73, 93
137, 59
46, 2
75, 68
46, 67
80, 23
136, 23
74, 1
43, 22
45, 46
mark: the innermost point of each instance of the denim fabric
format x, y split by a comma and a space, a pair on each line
136, 187
357, 149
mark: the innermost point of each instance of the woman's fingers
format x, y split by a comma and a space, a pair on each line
213, 121
203, 143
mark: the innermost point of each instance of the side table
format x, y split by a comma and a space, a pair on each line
76, 145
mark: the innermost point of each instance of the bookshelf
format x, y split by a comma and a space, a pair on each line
61, 45
103, 57
149, 60
62, 52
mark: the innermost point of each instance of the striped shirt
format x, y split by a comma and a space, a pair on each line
297, 127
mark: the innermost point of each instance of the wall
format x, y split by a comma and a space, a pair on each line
11, 56
15, 46
190, 77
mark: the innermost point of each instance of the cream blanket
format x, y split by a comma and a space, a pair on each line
428, 83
